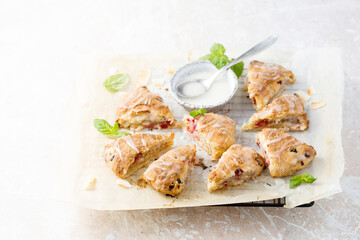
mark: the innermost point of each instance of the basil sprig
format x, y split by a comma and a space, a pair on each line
219, 59
194, 113
116, 82
299, 179
105, 128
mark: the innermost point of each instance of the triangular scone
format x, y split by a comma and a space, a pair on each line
143, 109
169, 174
127, 154
283, 153
266, 81
286, 113
215, 133
237, 165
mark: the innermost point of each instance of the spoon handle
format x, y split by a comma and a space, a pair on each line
253, 51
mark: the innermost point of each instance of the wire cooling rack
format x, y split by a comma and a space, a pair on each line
279, 202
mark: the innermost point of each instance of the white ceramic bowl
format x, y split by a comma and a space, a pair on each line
201, 66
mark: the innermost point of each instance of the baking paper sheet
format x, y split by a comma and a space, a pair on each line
82, 159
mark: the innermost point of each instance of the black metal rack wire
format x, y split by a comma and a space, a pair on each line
279, 202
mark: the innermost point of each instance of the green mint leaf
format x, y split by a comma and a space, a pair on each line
296, 181
116, 82
103, 126
217, 49
194, 113
115, 128
202, 111
220, 61
120, 134
308, 178
209, 57
238, 68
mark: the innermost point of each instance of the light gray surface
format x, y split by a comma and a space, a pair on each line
39, 43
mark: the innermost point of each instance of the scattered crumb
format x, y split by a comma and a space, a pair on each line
196, 196
311, 91
158, 84
228, 111
171, 71
189, 55
166, 89
123, 183
304, 97
268, 184
169, 195
247, 96
141, 183
200, 163
90, 184
144, 77
317, 105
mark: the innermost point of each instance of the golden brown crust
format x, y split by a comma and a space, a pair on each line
121, 154
215, 133
142, 108
283, 153
237, 165
169, 174
286, 113
266, 81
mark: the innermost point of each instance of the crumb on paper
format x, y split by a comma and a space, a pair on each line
141, 183
123, 183
189, 55
171, 71
158, 84
144, 77
90, 185
166, 89
317, 105
304, 97
200, 163
311, 91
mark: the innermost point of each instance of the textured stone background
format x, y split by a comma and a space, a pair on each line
39, 44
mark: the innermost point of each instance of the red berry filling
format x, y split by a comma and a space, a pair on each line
238, 172
262, 123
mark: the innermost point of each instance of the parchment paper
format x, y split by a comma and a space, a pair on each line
82, 159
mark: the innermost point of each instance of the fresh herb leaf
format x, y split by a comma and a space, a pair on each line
308, 178
219, 59
298, 179
238, 68
116, 82
194, 113
217, 49
120, 134
104, 127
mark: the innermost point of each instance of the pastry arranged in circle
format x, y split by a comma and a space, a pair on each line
283, 153
143, 109
265, 81
285, 113
127, 154
237, 165
215, 133
169, 174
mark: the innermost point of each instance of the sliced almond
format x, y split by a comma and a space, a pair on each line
317, 105
304, 97
311, 91
90, 185
171, 71
123, 183
189, 55
144, 77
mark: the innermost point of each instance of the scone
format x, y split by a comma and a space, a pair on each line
169, 174
266, 81
143, 109
237, 165
214, 133
283, 153
127, 154
286, 113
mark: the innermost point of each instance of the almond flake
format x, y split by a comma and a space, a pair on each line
317, 105
304, 97
123, 183
189, 55
90, 184
171, 71
311, 91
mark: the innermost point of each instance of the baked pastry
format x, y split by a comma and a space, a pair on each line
143, 109
127, 154
237, 165
286, 113
283, 153
169, 174
214, 133
266, 81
